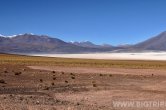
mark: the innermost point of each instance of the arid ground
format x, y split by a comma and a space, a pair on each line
43, 83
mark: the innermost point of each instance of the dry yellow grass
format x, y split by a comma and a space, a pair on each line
34, 60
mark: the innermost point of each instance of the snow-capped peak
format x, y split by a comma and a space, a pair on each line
10, 36
72, 41
2, 35
86, 41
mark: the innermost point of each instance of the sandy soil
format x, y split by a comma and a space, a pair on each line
123, 84
34, 87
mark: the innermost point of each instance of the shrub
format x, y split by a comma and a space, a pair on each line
5, 71
2, 81
41, 80
72, 77
94, 85
46, 88
72, 74
110, 75
21, 98
52, 84
17, 73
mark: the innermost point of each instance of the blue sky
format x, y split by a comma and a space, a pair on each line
100, 21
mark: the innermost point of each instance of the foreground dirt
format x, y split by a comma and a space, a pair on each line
26, 85
63, 88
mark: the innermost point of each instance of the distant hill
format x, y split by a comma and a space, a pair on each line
84, 44
29, 43
157, 43
90, 44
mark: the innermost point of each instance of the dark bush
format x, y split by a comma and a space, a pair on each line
94, 85
54, 78
101, 74
72, 77
2, 81
52, 84
17, 73
41, 80
5, 71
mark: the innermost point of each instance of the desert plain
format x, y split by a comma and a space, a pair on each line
54, 83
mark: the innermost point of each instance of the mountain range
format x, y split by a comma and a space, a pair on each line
29, 43
90, 44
